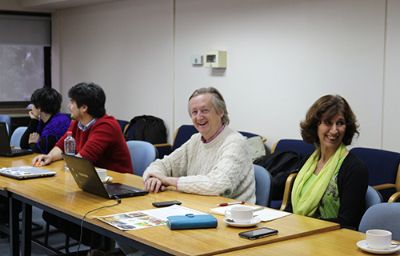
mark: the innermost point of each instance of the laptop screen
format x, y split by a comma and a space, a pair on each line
85, 175
4, 139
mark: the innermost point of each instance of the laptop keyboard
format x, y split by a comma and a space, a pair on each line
118, 191
122, 190
17, 150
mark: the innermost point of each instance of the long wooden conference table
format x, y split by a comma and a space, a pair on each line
338, 242
61, 196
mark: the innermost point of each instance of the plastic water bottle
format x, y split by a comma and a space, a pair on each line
69, 146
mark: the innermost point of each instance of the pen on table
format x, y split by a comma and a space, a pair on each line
230, 203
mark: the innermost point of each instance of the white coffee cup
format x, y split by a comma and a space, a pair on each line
102, 174
240, 214
378, 239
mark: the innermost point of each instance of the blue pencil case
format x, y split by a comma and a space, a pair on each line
191, 221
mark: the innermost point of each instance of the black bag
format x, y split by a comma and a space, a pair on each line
147, 128
280, 165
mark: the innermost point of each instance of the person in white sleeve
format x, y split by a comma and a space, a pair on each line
215, 161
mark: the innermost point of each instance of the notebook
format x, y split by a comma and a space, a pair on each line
88, 180
5, 148
25, 172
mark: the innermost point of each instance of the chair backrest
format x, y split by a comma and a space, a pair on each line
6, 119
382, 165
288, 191
382, 216
182, 135
263, 185
15, 140
372, 197
122, 124
298, 146
250, 134
142, 153
395, 197
184, 132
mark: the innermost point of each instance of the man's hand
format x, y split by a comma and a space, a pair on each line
53, 155
158, 182
153, 185
41, 160
32, 116
33, 137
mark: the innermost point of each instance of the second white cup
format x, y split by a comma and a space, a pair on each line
378, 239
240, 213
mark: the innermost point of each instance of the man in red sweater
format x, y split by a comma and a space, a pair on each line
98, 136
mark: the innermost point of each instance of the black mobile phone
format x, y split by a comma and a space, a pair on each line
258, 233
166, 203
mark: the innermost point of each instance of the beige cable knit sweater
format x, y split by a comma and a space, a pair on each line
221, 167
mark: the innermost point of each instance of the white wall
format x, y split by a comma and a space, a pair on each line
282, 56
126, 47
391, 117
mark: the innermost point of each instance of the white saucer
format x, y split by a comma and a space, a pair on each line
232, 223
363, 246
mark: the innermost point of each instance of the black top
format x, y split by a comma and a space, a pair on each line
352, 184
47, 143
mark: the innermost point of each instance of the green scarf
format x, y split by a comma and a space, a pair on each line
307, 202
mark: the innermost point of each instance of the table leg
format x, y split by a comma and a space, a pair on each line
26, 229
14, 226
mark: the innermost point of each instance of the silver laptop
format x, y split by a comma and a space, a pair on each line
25, 172
85, 175
5, 148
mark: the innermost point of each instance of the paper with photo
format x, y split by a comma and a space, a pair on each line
145, 218
131, 220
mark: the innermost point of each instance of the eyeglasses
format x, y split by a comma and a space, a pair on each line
338, 123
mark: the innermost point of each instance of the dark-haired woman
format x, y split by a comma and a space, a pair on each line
47, 124
332, 183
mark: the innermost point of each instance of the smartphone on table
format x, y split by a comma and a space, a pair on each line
258, 233
166, 203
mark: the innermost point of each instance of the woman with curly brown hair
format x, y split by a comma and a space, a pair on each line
332, 183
